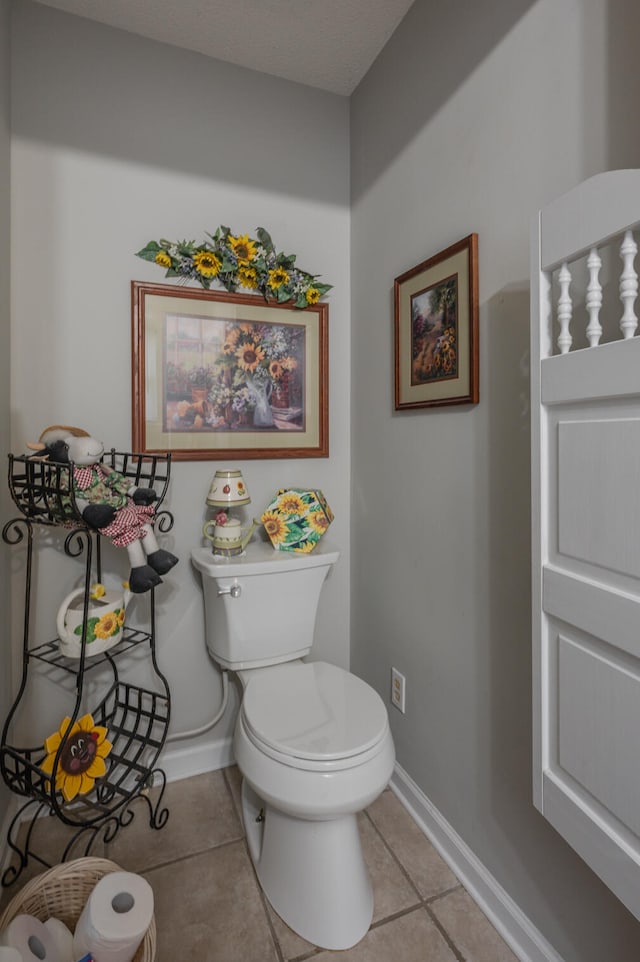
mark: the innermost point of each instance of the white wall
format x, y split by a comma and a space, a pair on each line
5, 183
116, 141
472, 118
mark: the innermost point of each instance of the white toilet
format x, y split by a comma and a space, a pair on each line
312, 741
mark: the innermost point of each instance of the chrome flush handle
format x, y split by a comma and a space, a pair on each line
234, 590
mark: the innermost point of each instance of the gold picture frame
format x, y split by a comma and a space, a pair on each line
436, 329
220, 375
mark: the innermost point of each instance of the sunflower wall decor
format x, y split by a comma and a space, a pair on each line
296, 519
218, 374
238, 261
82, 758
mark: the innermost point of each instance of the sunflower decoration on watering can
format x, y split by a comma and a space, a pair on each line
84, 749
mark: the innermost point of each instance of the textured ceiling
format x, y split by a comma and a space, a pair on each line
328, 44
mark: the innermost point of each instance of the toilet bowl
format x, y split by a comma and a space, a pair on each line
311, 740
314, 747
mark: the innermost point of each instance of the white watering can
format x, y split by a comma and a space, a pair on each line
230, 538
105, 621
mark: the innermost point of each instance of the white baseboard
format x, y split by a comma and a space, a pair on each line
522, 937
184, 762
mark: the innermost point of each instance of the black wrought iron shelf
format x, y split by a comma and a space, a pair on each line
137, 722
49, 652
136, 718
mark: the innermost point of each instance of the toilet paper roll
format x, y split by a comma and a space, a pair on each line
32, 939
115, 919
63, 939
9, 954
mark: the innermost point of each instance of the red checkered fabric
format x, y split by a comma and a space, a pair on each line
128, 524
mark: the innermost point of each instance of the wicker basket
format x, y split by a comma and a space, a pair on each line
62, 891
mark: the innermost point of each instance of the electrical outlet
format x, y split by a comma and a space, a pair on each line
397, 689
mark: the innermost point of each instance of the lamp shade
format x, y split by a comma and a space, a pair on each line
227, 489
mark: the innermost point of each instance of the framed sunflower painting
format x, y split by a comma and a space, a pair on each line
436, 329
220, 375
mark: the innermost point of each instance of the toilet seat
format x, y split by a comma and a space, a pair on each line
313, 716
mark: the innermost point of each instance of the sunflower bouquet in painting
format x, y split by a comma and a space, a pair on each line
232, 376
296, 519
238, 261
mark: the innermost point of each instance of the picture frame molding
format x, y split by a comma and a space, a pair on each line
312, 443
406, 395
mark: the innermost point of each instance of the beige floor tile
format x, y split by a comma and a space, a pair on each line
208, 907
291, 944
208, 900
234, 782
392, 891
412, 848
410, 938
469, 930
49, 839
201, 816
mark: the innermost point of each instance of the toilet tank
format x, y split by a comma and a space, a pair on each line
260, 607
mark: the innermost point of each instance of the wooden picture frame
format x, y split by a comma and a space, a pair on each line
227, 376
436, 329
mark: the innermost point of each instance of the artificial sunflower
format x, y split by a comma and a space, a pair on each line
277, 277
84, 749
243, 248
162, 259
207, 263
248, 277
312, 295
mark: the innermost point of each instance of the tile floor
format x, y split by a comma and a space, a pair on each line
208, 904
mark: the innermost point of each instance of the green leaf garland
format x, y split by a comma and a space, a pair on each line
238, 261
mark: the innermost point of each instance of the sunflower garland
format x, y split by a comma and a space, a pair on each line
82, 757
238, 261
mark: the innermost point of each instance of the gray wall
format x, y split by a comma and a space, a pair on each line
5, 193
472, 118
117, 140
469, 120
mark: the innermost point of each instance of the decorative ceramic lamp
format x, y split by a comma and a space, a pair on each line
228, 490
226, 532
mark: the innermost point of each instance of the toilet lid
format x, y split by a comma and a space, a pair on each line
313, 711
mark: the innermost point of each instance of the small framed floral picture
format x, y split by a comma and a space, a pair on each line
219, 375
436, 329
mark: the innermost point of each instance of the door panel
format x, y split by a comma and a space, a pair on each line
585, 432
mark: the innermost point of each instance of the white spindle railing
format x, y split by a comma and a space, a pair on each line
594, 298
628, 285
628, 293
564, 309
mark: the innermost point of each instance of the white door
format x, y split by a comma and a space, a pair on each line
586, 528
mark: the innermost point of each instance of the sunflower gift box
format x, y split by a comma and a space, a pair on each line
296, 519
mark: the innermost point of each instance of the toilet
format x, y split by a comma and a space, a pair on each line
312, 741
